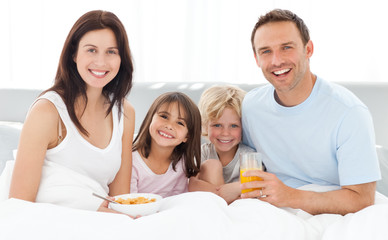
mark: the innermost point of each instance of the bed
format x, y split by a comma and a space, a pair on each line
195, 215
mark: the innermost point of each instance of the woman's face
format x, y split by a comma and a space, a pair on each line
98, 59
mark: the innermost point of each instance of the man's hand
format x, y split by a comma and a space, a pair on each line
348, 199
272, 190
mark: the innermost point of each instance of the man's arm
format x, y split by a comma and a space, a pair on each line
348, 199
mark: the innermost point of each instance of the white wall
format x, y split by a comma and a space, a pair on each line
194, 40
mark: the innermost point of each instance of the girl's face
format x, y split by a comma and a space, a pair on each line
98, 60
225, 132
168, 128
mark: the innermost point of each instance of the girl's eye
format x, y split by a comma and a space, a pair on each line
217, 125
181, 123
163, 116
234, 126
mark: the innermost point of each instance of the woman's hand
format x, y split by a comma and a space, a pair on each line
104, 207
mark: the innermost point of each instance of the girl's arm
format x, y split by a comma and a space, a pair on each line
122, 182
39, 133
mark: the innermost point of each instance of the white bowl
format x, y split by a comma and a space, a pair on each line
134, 210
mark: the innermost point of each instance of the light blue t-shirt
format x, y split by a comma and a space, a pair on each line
327, 140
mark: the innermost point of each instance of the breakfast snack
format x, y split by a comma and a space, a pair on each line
138, 200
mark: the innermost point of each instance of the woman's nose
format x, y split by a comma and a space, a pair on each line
100, 60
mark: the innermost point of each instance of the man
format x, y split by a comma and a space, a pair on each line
310, 131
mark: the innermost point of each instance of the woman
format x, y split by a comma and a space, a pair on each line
83, 122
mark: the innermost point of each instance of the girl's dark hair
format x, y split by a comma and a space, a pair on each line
189, 150
69, 84
280, 15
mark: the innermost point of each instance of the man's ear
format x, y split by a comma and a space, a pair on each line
309, 49
256, 59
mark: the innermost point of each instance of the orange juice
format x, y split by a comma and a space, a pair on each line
249, 179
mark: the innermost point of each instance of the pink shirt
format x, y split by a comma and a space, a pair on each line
144, 180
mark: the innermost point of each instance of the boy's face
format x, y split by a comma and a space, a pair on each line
225, 132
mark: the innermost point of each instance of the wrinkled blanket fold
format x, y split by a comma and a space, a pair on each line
193, 215
59, 185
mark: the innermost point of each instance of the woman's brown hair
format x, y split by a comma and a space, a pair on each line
69, 84
190, 150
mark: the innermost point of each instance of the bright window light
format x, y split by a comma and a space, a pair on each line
194, 40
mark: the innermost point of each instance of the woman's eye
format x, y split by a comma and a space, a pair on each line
112, 52
92, 50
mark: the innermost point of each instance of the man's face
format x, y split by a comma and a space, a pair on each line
281, 55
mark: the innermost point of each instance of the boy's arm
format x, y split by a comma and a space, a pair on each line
230, 191
196, 184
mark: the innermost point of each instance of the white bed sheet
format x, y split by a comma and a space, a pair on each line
195, 215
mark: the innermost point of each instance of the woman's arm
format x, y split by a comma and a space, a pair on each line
122, 182
39, 133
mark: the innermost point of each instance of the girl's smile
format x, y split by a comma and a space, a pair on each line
168, 127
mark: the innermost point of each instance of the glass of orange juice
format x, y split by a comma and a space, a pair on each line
250, 161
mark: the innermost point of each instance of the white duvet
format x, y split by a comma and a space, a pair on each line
195, 215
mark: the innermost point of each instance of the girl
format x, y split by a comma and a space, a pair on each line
220, 108
82, 123
166, 152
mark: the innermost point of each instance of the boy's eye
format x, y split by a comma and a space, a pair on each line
217, 125
234, 126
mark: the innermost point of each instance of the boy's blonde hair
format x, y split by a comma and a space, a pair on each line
215, 99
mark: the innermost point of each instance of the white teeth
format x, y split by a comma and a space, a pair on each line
98, 73
225, 141
281, 71
165, 135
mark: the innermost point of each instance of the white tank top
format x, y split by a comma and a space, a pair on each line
76, 153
